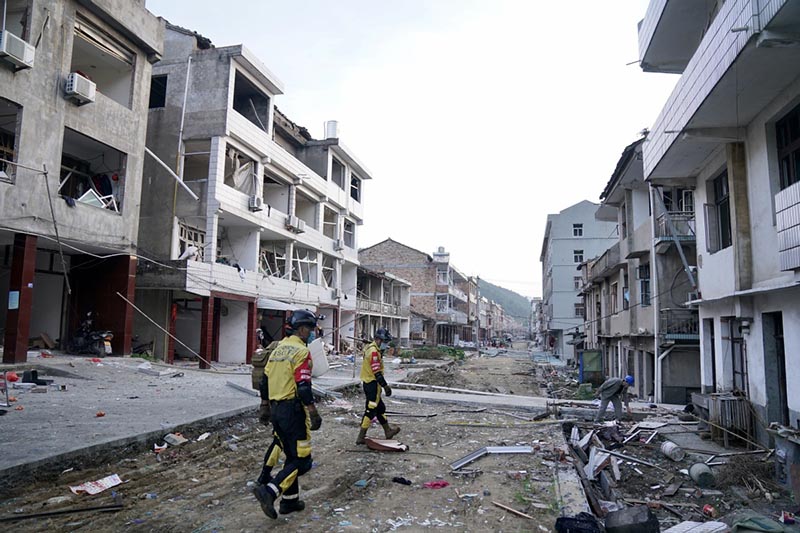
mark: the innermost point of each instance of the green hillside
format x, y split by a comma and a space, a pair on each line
513, 303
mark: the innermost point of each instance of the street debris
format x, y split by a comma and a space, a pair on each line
477, 454
96, 487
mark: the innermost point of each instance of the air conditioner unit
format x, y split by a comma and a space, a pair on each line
295, 224
338, 245
336, 294
256, 203
692, 296
79, 89
16, 51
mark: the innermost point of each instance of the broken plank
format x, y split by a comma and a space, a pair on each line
651, 437
672, 489
584, 442
633, 436
588, 490
615, 468
633, 459
512, 511
246, 390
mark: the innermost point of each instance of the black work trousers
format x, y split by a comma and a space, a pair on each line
291, 429
375, 407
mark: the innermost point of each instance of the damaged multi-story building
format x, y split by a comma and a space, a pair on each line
384, 301
265, 218
443, 299
74, 90
571, 237
730, 133
635, 292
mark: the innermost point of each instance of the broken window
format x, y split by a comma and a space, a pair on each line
195, 160
158, 91
191, 236
250, 102
18, 17
276, 193
787, 130
306, 210
355, 187
329, 271
330, 223
304, 265
240, 172
614, 297
442, 303
273, 259
337, 173
349, 233
104, 61
92, 173
10, 119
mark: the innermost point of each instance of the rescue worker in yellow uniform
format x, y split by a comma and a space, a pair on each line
373, 381
287, 384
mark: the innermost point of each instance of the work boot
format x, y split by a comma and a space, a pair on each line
292, 506
390, 431
266, 499
361, 434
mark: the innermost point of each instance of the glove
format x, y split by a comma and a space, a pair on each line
316, 420
264, 413
387, 390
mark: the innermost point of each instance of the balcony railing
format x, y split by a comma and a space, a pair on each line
372, 306
453, 316
605, 263
682, 221
680, 324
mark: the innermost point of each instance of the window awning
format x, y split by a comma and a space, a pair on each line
266, 303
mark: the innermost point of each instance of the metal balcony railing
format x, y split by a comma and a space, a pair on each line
680, 324
682, 221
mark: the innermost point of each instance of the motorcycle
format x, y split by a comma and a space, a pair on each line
89, 341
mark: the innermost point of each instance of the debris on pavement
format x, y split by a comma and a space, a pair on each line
96, 487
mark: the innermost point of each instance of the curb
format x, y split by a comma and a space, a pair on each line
12, 473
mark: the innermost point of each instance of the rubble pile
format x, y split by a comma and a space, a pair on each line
637, 470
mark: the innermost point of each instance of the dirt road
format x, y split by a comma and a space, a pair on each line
204, 486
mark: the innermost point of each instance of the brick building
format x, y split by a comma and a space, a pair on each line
439, 290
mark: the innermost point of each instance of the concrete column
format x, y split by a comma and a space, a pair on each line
173, 315
18, 320
127, 273
206, 331
740, 216
252, 315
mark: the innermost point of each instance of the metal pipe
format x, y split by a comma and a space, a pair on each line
661, 357
171, 173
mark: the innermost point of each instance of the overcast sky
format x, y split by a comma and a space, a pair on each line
476, 118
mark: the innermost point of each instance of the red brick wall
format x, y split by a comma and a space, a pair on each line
409, 264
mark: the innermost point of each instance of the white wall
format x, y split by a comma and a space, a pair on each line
48, 293
715, 271
233, 332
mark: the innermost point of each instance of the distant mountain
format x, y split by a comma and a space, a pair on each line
514, 304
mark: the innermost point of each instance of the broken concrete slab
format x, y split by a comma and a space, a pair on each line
698, 527
636, 519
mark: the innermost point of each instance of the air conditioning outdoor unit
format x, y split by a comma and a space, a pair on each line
295, 224
79, 89
16, 51
692, 296
256, 203
336, 293
338, 245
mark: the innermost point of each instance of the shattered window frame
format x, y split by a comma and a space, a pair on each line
273, 259
9, 137
191, 235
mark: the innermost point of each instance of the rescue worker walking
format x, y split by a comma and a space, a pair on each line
373, 381
610, 391
287, 384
